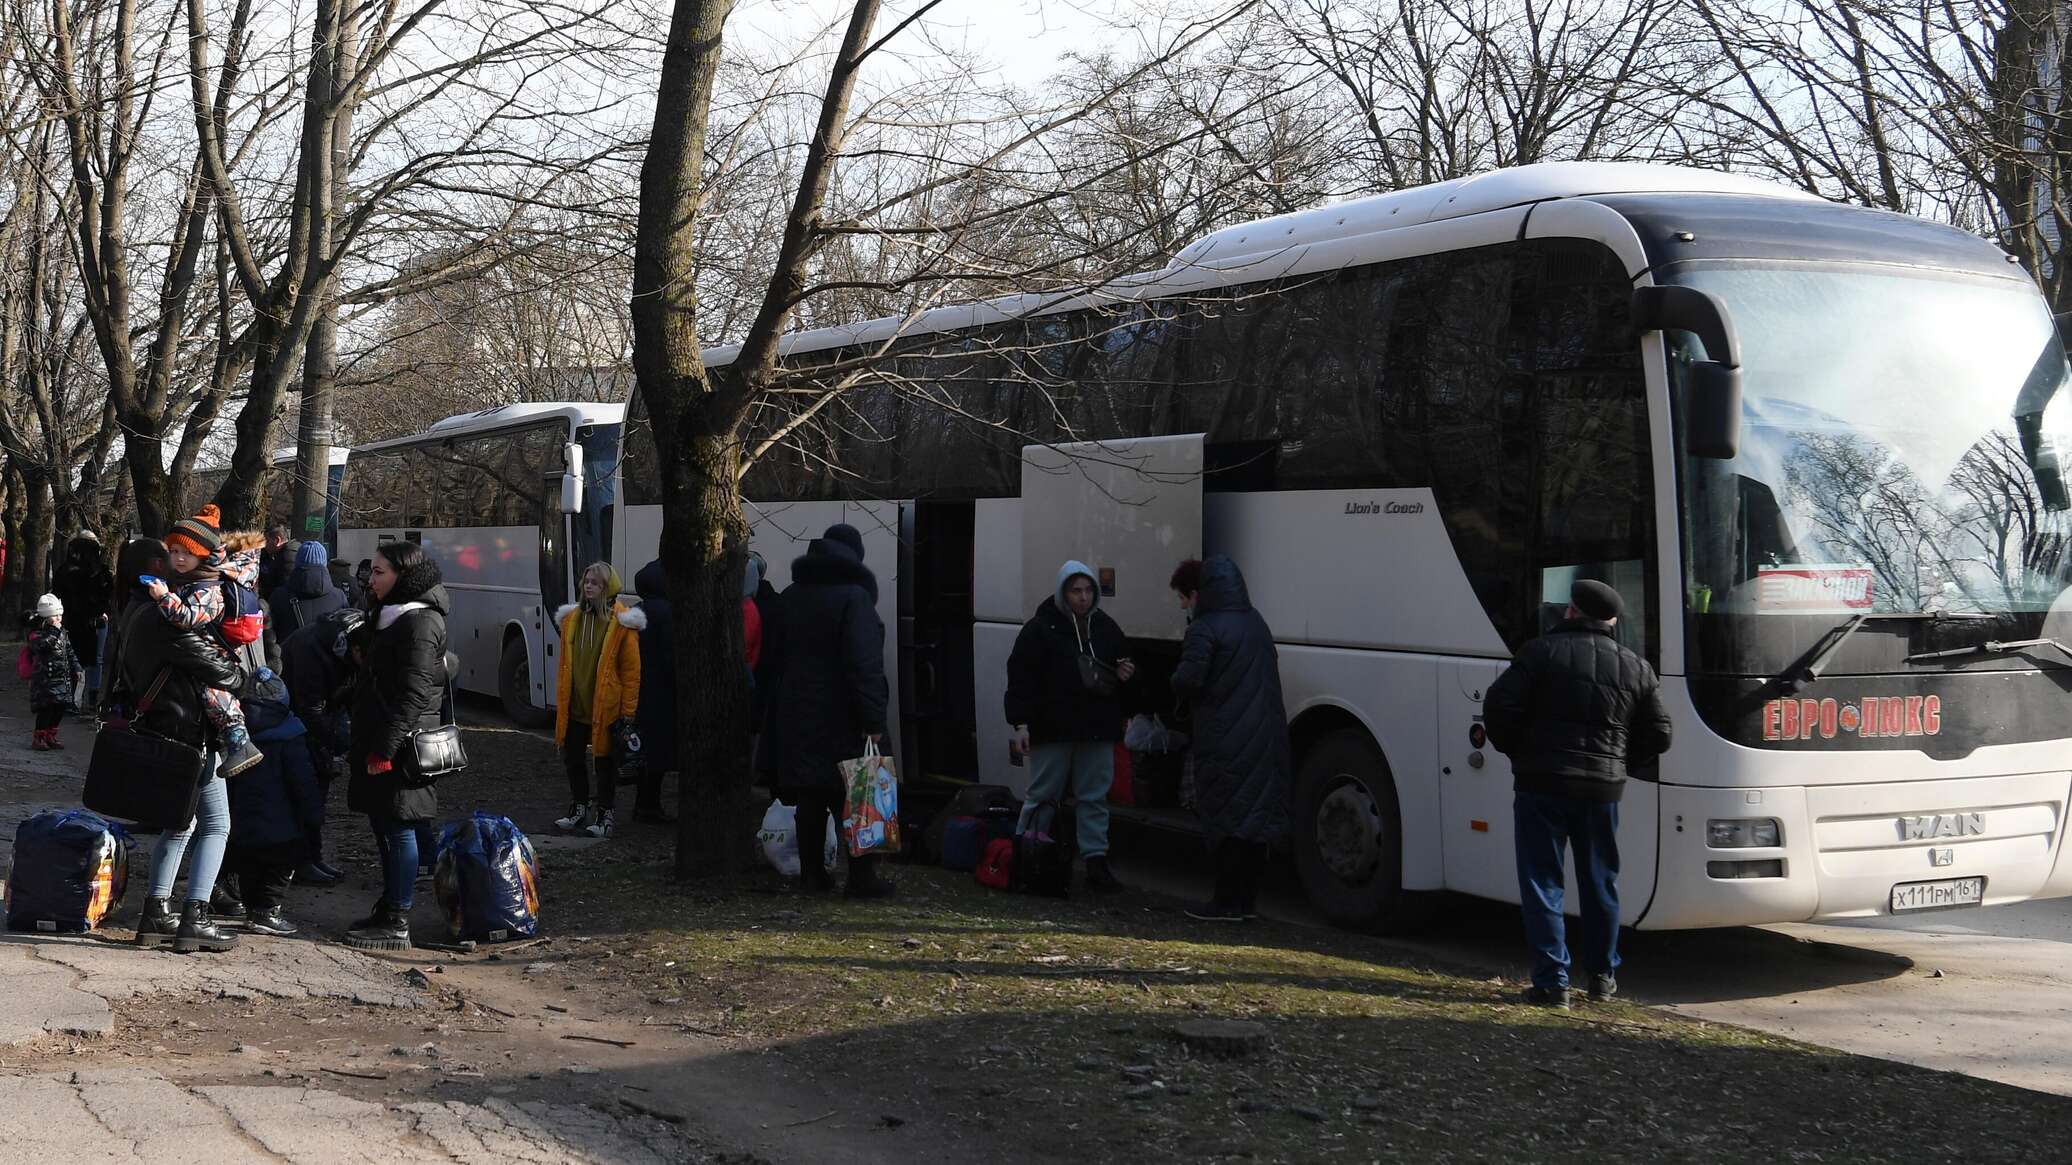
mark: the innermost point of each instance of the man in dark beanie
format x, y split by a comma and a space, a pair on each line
1573, 711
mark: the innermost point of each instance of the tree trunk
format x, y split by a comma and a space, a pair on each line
313, 433
704, 540
697, 429
37, 531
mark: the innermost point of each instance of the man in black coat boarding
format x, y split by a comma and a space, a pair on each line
1573, 711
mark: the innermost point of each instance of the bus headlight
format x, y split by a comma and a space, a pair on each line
1742, 833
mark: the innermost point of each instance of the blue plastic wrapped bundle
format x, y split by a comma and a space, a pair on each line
71, 867
487, 879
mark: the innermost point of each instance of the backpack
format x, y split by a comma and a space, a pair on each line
71, 867
244, 617
24, 664
996, 867
970, 801
1043, 854
487, 879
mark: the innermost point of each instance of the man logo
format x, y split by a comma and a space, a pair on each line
1942, 825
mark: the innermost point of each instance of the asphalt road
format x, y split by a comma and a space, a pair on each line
2000, 1008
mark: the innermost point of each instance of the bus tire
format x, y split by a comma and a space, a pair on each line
1348, 836
514, 687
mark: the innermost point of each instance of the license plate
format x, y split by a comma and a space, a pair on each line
1943, 895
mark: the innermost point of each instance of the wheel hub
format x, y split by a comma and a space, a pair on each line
1349, 831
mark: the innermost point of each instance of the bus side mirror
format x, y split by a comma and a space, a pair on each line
1712, 396
572, 480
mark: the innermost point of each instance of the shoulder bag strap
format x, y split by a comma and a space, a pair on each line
151, 693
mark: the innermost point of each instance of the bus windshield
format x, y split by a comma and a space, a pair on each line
1900, 445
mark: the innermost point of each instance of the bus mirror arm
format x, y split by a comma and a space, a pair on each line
1712, 397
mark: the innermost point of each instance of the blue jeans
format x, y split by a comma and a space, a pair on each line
1085, 769
1544, 824
399, 843
209, 832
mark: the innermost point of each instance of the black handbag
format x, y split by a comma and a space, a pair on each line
429, 753
139, 776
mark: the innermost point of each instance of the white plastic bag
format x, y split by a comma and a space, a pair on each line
1149, 734
778, 839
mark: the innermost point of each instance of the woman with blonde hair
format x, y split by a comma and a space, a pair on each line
596, 694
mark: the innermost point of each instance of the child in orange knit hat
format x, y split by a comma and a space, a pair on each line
216, 595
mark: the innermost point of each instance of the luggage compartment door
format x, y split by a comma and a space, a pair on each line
1130, 509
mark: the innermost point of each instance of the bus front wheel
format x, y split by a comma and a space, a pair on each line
1349, 835
514, 687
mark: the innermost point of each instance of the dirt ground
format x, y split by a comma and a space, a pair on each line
954, 1023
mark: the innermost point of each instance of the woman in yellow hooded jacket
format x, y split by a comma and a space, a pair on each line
598, 687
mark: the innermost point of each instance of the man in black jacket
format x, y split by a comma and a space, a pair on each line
1573, 711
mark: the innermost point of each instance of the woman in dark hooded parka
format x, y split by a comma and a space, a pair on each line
656, 719
1230, 673
827, 693
85, 584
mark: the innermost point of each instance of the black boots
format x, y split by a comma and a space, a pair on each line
1100, 877
373, 918
270, 921
226, 905
198, 933
865, 881
158, 924
388, 930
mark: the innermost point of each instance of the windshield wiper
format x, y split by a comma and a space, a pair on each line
1992, 647
1806, 671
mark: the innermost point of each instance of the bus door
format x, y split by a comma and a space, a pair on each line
1474, 787
938, 722
1130, 509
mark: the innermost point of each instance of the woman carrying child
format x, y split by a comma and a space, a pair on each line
217, 601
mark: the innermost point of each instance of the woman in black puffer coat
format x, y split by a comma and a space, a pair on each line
400, 689
1230, 672
826, 675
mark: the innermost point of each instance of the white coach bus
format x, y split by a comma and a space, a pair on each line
512, 502
1815, 446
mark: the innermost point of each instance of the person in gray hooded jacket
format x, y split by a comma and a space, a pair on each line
1064, 705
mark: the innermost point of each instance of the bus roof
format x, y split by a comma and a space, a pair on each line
511, 416
1246, 243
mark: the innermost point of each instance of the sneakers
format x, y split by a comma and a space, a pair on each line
602, 827
387, 931
1603, 987
578, 818
1099, 877
1215, 912
1555, 997
158, 925
271, 921
200, 933
239, 754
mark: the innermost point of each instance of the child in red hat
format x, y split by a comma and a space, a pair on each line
212, 598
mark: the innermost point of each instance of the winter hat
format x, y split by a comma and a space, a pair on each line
49, 607
313, 554
847, 535
87, 536
751, 577
1596, 600
200, 535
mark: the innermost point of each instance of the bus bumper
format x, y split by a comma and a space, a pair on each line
1841, 849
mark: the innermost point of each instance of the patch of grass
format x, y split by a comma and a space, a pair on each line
1050, 1024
